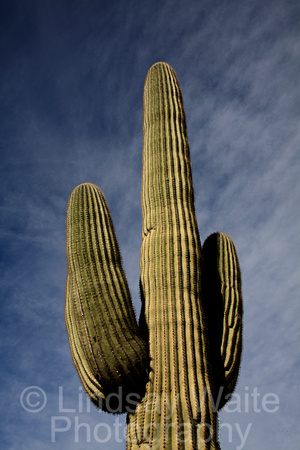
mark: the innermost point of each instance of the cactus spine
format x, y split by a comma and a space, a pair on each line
188, 343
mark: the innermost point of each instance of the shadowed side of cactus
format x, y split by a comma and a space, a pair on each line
222, 300
184, 358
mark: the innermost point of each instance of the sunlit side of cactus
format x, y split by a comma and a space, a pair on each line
183, 358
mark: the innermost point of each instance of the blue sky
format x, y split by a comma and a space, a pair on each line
71, 82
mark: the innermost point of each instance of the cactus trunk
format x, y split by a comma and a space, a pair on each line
170, 414
182, 361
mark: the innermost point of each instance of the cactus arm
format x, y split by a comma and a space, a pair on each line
107, 349
176, 411
222, 298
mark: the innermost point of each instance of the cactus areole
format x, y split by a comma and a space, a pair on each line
174, 370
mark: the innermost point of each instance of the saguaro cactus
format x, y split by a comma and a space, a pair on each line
174, 370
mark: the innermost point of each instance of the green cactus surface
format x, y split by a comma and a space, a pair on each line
180, 363
107, 349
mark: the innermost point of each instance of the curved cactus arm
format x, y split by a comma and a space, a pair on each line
222, 297
107, 349
176, 411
